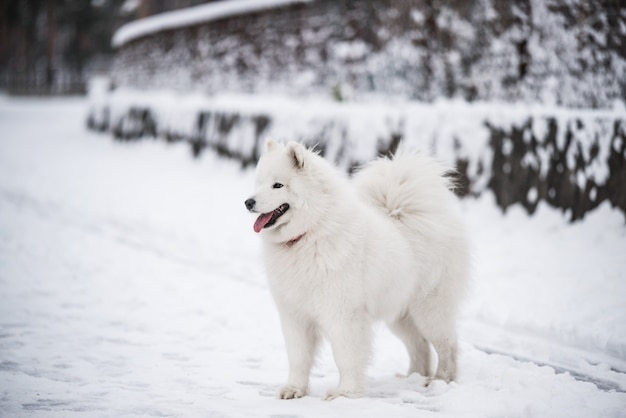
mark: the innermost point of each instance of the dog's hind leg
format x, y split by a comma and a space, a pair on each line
301, 340
442, 336
416, 345
446, 348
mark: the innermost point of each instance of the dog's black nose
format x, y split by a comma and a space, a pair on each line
250, 204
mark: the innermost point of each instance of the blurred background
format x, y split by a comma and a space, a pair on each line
525, 99
566, 53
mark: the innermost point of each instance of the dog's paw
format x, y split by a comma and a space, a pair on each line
291, 392
336, 393
437, 381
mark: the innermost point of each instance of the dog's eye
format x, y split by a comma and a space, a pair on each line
277, 186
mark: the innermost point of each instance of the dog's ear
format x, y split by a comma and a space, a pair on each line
270, 144
296, 153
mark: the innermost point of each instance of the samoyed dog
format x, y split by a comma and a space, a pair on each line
340, 254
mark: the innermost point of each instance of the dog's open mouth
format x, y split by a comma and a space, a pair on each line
268, 219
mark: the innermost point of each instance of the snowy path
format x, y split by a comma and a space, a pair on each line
131, 285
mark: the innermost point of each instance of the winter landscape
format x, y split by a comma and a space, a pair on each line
131, 280
132, 286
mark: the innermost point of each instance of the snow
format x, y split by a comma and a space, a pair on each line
192, 16
132, 286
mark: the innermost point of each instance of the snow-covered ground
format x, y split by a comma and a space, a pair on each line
131, 285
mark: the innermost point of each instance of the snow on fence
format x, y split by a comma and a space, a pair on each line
571, 159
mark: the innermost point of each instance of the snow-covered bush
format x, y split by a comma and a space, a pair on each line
535, 51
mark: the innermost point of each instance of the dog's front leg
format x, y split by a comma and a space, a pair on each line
301, 340
350, 340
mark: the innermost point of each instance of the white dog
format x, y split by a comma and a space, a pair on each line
341, 254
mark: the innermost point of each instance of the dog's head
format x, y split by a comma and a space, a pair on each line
285, 188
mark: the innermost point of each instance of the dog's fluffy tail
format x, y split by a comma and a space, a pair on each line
413, 189
415, 192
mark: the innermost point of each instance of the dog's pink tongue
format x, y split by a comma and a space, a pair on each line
261, 221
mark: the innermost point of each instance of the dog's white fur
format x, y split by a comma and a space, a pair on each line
384, 245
